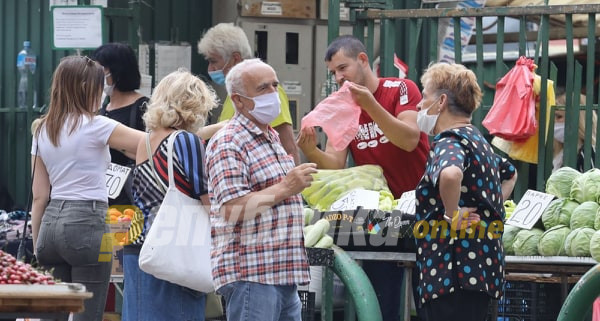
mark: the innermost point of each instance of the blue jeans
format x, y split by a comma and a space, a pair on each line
250, 301
69, 243
147, 298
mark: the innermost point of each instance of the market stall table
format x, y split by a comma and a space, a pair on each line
41, 301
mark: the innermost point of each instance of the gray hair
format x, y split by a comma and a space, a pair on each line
234, 81
225, 39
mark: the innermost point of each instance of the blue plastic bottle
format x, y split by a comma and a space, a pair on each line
26, 63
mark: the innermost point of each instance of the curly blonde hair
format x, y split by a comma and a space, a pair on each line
181, 100
457, 82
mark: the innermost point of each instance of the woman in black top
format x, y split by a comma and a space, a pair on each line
125, 105
464, 182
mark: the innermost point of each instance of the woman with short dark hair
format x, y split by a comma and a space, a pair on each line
121, 80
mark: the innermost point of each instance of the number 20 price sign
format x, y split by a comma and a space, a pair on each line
530, 209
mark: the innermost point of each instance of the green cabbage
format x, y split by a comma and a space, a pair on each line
559, 183
566, 211
587, 186
577, 242
526, 242
508, 238
595, 246
552, 215
597, 220
584, 215
552, 242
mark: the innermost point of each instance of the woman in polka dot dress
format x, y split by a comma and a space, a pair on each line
459, 202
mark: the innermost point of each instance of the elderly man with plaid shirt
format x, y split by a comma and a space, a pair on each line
258, 254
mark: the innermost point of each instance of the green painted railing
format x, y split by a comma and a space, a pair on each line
364, 300
410, 29
579, 302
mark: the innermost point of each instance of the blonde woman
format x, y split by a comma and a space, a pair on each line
70, 153
559, 132
181, 101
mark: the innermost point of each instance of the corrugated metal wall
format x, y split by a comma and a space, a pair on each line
159, 20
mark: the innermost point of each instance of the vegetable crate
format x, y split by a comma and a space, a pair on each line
529, 301
370, 230
308, 305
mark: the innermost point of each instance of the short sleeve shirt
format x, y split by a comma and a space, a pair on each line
471, 261
268, 249
402, 169
283, 118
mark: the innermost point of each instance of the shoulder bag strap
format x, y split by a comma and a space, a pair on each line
151, 161
170, 157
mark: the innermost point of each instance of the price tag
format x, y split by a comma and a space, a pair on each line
406, 202
358, 197
530, 209
116, 175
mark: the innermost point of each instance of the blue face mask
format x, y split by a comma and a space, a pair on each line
217, 76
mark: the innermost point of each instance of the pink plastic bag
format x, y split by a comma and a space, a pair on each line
596, 309
512, 115
338, 115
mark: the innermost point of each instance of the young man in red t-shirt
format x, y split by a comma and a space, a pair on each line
388, 136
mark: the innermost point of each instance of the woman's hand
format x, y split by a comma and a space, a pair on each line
463, 218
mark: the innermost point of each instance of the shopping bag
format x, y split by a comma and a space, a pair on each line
512, 115
338, 116
177, 246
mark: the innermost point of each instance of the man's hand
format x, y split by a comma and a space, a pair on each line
299, 178
362, 96
307, 140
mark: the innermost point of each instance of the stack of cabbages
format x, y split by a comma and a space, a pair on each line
329, 185
570, 224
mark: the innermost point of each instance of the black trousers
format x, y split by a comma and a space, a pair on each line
460, 305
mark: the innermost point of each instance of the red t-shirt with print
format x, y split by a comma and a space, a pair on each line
401, 169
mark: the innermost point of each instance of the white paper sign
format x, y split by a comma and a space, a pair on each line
116, 175
270, 8
530, 209
292, 87
169, 58
77, 27
406, 202
358, 197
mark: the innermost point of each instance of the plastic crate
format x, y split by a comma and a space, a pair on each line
319, 257
529, 301
370, 230
308, 305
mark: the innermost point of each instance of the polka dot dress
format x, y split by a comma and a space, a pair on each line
471, 261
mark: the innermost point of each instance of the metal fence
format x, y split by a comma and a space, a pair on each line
133, 22
411, 30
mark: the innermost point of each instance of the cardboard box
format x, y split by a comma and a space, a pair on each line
118, 231
301, 9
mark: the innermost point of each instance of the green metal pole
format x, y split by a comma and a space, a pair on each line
357, 284
327, 295
581, 298
333, 20
541, 170
589, 90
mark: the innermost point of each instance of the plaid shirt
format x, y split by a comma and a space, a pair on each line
268, 249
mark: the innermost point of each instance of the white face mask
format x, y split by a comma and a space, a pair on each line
266, 107
559, 132
425, 122
108, 89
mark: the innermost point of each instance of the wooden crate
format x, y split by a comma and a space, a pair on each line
43, 298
